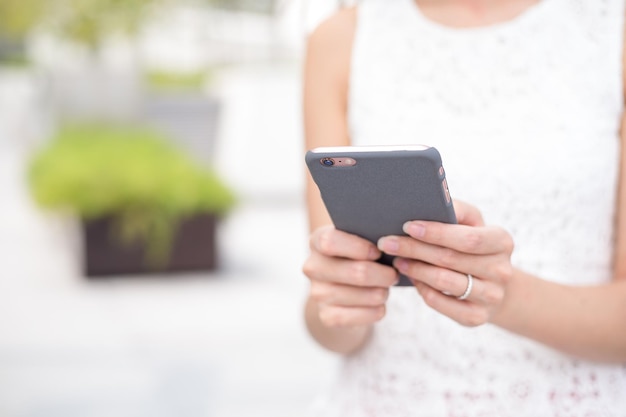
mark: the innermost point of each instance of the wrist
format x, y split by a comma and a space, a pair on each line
516, 293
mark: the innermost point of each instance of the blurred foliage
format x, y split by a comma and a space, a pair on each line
131, 174
85, 21
90, 21
13, 57
177, 81
18, 17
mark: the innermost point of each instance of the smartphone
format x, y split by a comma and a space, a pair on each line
371, 191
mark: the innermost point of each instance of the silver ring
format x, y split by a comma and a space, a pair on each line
468, 290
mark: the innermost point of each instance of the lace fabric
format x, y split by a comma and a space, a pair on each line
526, 116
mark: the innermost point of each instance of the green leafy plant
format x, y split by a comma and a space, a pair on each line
170, 81
131, 174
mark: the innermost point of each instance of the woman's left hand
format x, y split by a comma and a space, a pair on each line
438, 258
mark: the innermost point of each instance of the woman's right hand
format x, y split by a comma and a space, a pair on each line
347, 284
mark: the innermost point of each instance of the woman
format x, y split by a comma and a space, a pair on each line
524, 100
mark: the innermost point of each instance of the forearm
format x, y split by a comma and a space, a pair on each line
588, 322
343, 340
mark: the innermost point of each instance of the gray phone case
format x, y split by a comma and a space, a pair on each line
382, 191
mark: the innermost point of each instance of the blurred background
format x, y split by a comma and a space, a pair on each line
152, 222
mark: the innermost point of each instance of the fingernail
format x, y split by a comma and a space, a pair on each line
401, 264
414, 229
389, 244
373, 253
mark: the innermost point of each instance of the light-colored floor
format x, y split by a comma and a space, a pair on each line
225, 344
228, 344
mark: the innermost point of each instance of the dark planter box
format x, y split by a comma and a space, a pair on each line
193, 249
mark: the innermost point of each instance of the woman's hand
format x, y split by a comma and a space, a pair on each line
347, 284
438, 257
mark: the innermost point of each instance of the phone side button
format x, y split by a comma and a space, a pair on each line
446, 191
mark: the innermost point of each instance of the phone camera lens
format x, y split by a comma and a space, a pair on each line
328, 162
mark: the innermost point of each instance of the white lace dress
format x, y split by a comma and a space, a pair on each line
526, 115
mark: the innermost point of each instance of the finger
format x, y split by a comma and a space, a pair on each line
466, 313
338, 316
468, 239
348, 296
451, 282
441, 279
333, 242
489, 267
467, 214
318, 267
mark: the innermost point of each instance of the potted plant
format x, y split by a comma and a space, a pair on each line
144, 205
